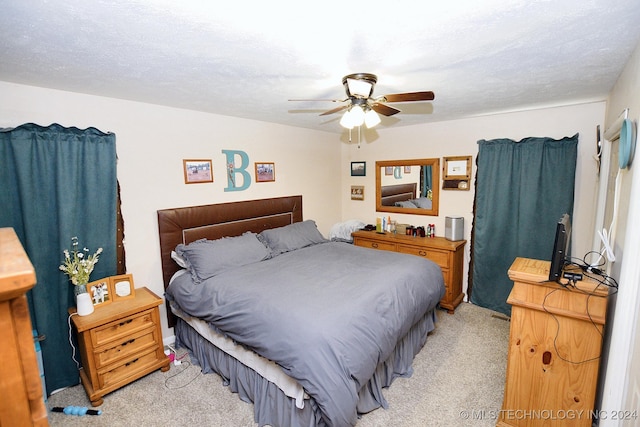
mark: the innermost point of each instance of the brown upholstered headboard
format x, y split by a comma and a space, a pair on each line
390, 194
185, 225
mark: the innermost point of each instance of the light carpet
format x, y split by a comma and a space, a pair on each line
458, 380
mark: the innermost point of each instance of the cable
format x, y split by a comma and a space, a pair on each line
187, 366
594, 272
73, 353
555, 338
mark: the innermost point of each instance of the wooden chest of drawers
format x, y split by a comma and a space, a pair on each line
119, 343
447, 254
22, 402
555, 344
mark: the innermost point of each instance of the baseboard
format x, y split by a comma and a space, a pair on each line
169, 341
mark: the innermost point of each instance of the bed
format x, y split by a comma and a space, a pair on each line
310, 333
404, 196
392, 194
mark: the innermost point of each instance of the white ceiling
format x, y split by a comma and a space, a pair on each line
247, 58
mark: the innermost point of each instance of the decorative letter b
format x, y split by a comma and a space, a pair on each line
233, 184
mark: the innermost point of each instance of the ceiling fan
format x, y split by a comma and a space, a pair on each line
362, 106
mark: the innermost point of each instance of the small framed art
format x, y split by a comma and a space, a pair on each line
265, 172
456, 173
197, 171
358, 168
122, 287
458, 167
100, 292
357, 192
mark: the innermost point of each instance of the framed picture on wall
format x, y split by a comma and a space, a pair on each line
456, 173
358, 168
122, 287
265, 172
357, 192
197, 171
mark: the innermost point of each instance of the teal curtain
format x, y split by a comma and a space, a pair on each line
425, 180
522, 190
58, 183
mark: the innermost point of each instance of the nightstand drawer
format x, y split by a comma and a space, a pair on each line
133, 344
120, 329
375, 244
129, 368
439, 257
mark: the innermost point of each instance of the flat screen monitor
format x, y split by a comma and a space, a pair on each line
560, 248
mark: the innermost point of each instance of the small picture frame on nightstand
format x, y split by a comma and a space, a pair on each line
122, 287
100, 291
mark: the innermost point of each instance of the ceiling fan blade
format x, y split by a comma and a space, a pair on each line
323, 100
409, 96
385, 110
335, 110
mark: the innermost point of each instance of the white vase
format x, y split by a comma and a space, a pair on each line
84, 305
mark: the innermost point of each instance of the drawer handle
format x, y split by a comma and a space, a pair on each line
374, 245
131, 363
126, 322
422, 253
128, 342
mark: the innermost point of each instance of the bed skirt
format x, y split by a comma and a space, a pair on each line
271, 406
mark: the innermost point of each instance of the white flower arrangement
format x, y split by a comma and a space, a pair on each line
78, 265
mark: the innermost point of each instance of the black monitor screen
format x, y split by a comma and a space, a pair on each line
560, 248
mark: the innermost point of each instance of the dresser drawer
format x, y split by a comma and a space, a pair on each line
133, 344
439, 257
119, 330
129, 368
375, 244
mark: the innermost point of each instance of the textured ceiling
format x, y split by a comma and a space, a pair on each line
247, 58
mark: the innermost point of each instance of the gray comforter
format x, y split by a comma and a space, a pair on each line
328, 314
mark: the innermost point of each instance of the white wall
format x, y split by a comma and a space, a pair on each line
621, 379
151, 143
459, 138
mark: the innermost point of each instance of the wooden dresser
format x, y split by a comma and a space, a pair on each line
555, 344
22, 401
119, 343
447, 254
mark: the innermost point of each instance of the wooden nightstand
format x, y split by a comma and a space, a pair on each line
119, 343
447, 254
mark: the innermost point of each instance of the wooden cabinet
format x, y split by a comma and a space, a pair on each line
555, 345
22, 402
447, 254
119, 343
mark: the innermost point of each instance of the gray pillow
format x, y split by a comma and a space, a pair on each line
405, 204
423, 202
291, 237
206, 258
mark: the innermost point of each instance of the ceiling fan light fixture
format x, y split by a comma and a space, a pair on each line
357, 115
361, 88
346, 121
371, 119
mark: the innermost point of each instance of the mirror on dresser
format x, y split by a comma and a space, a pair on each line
408, 186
